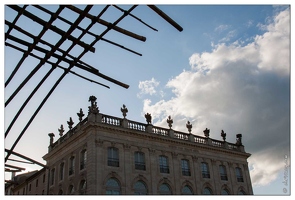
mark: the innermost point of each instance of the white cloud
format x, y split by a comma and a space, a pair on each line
147, 87
221, 28
240, 89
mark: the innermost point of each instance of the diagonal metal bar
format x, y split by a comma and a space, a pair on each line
47, 43
51, 27
105, 23
24, 157
36, 40
122, 10
71, 29
90, 33
15, 167
15, 20
166, 17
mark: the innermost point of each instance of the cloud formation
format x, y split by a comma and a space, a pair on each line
147, 87
240, 89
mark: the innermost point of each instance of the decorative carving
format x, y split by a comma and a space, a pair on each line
195, 158
223, 135
174, 155
80, 114
70, 123
189, 126
124, 110
61, 130
170, 121
148, 118
126, 146
51, 135
98, 142
206, 132
93, 107
239, 139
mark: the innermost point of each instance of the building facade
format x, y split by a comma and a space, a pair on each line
103, 154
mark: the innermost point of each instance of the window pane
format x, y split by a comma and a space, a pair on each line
239, 174
113, 157
165, 189
140, 188
185, 167
112, 186
186, 190
139, 160
207, 191
224, 192
205, 170
222, 171
164, 168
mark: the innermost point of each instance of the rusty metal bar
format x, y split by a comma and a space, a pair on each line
53, 28
90, 33
36, 40
166, 17
46, 43
107, 24
24, 157
122, 10
71, 29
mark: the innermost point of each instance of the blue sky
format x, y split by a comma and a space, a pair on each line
228, 69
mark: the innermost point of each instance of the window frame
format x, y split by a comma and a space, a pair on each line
185, 167
223, 173
113, 157
164, 164
72, 166
83, 159
205, 170
239, 174
139, 160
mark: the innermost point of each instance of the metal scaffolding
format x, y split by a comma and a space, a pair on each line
59, 57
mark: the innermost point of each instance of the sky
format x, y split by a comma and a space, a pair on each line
229, 69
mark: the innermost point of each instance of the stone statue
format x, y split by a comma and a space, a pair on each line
239, 139
124, 110
80, 114
189, 126
170, 121
70, 123
93, 107
223, 135
206, 132
148, 118
61, 130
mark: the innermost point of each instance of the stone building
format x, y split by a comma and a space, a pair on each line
103, 154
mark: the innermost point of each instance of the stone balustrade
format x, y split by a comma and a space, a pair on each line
95, 117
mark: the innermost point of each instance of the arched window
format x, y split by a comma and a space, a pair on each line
207, 191
72, 166
222, 172
71, 189
164, 167
139, 160
241, 192
113, 186
205, 170
140, 188
165, 189
61, 171
83, 158
224, 192
187, 190
113, 157
82, 187
239, 174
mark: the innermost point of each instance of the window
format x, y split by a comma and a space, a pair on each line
113, 186
30, 187
222, 172
72, 166
140, 188
52, 176
207, 191
185, 167
187, 190
83, 187
43, 178
241, 192
61, 171
224, 192
83, 158
139, 160
205, 170
165, 189
239, 174
71, 189
164, 167
113, 157
37, 183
